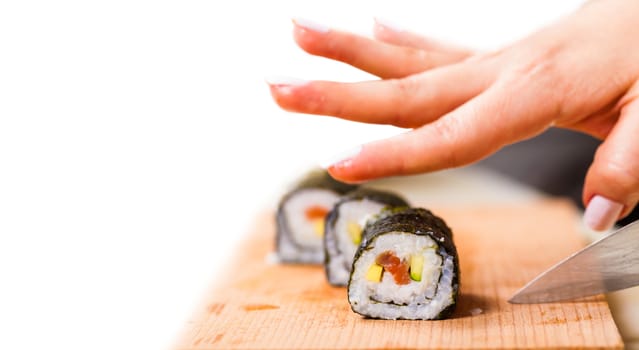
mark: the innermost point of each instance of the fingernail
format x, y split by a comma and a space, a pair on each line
310, 25
284, 80
388, 24
602, 213
343, 159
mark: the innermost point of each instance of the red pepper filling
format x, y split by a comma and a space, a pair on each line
397, 268
315, 212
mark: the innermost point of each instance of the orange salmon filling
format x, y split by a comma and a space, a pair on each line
393, 265
315, 212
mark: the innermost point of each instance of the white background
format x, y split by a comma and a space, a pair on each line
138, 140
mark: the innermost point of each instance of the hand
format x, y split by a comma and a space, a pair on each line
580, 73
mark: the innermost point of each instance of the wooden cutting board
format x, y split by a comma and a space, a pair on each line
262, 305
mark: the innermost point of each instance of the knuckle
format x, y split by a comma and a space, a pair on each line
447, 132
541, 72
536, 59
403, 90
317, 103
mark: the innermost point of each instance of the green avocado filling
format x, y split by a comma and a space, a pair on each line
416, 267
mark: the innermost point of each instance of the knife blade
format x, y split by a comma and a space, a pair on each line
608, 264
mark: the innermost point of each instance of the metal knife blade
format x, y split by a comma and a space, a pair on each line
608, 264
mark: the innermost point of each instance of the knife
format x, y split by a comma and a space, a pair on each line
608, 264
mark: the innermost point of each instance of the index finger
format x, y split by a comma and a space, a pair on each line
473, 131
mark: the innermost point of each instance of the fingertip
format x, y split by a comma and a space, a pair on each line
348, 166
602, 213
309, 34
280, 80
342, 172
309, 25
285, 89
341, 166
373, 160
343, 159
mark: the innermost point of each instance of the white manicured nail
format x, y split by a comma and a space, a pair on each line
310, 25
602, 213
283, 80
389, 24
341, 158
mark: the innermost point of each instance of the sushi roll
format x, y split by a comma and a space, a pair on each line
405, 268
344, 225
301, 215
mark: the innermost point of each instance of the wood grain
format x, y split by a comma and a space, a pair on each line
261, 305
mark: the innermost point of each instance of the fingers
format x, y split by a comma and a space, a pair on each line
611, 189
407, 102
391, 33
469, 133
378, 58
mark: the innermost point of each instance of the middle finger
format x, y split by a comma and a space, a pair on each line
409, 102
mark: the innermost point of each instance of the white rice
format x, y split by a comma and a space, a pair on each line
416, 300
